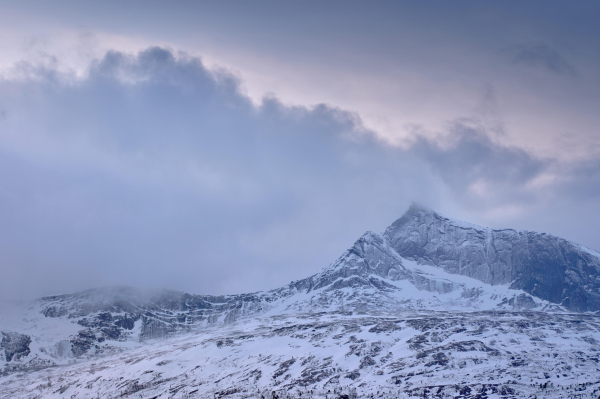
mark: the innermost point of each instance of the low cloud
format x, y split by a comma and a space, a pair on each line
480, 172
156, 171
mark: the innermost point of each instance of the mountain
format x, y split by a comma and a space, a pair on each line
433, 306
540, 264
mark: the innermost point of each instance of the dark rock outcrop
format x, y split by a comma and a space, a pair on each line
15, 345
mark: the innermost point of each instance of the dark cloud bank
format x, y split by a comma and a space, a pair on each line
155, 171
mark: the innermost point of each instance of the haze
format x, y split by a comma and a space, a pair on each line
236, 146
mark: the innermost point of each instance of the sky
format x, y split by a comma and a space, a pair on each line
228, 147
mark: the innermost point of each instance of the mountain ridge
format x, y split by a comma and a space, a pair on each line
543, 265
422, 264
404, 246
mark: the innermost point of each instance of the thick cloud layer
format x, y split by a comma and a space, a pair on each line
156, 171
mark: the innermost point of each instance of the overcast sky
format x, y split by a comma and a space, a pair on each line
229, 147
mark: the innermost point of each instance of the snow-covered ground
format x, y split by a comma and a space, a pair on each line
430, 308
491, 354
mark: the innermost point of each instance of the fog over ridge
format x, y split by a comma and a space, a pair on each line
153, 170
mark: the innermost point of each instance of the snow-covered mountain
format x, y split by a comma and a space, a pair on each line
542, 265
431, 302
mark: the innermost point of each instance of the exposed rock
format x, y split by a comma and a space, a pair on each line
542, 265
15, 345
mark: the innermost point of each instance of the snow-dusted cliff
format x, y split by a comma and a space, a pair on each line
542, 265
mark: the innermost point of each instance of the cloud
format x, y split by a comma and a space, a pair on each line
153, 170
481, 172
581, 180
541, 56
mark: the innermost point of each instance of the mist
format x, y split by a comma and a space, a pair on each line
154, 170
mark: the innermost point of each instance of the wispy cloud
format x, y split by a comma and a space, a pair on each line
541, 56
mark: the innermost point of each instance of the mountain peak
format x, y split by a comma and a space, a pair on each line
542, 265
417, 207
419, 214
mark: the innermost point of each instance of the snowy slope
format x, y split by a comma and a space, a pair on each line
443, 354
445, 302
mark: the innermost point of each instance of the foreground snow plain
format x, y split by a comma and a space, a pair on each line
433, 354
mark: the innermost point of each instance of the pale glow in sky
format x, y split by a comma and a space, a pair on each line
435, 82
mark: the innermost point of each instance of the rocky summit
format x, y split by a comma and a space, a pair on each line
544, 266
432, 307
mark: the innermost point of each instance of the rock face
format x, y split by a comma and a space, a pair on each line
542, 265
370, 263
373, 263
15, 345
112, 313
